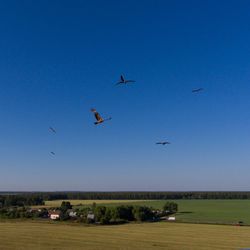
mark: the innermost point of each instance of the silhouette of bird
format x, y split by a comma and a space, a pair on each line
52, 129
53, 153
124, 81
162, 143
98, 117
197, 90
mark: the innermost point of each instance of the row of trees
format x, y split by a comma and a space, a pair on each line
125, 213
21, 200
144, 195
111, 215
22, 212
29, 199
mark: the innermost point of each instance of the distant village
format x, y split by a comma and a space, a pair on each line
93, 214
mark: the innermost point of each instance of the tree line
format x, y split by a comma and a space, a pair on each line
38, 198
21, 200
144, 195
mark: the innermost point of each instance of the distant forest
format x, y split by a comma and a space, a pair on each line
38, 198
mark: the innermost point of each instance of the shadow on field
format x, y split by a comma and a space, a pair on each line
185, 212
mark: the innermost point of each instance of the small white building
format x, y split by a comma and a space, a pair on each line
72, 214
54, 215
171, 218
90, 216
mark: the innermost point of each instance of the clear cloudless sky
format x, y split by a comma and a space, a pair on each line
58, 59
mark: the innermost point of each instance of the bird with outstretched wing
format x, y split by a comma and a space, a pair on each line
197, 90
98, 117
162, 143
124, 81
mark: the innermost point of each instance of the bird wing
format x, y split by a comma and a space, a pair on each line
52, 129
197, 90
98, 117
122, 78
163, 142
107, 119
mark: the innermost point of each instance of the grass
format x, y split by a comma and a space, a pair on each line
215, 211
27, 235
208, 211
57, 203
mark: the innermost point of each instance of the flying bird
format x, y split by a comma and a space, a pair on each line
52, 129
53, 153
124, 81
98, 118
197, 90
162, 143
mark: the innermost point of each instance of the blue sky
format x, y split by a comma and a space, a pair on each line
58, 59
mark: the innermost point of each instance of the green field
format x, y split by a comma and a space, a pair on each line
25, 235
195, 211
209, 211
57, 203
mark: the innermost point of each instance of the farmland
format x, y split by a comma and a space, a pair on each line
194, 211
209, 211
56, 203
48, 235
42, 234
